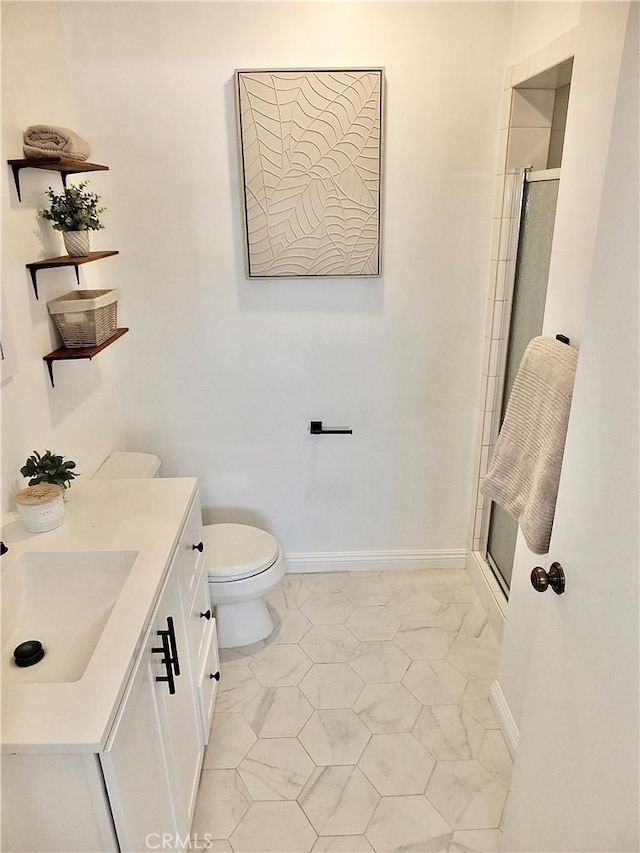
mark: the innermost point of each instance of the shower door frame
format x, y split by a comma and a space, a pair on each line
527, 175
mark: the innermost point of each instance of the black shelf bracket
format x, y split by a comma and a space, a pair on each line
79, 353
64, 261
53, 164
34, 273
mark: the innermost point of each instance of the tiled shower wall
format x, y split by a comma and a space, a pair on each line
531, 134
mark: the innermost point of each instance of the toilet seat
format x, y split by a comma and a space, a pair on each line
238, 551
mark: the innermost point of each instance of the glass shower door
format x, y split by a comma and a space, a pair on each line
540, 195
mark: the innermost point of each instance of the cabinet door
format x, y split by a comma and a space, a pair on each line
191, 550
208, 680
135, 763
200, 621
179, 712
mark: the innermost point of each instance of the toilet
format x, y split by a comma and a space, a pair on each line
244, 563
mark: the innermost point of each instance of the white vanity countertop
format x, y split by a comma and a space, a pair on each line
139, 515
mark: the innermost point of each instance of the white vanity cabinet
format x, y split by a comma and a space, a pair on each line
142, 783
152, 761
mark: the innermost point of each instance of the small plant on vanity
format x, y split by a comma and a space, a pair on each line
75, 213
48, 468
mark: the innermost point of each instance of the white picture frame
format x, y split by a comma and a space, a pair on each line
311, 168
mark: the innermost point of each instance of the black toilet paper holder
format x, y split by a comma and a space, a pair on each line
316, 428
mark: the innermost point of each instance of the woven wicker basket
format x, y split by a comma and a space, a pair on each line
85, 318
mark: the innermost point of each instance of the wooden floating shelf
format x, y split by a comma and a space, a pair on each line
74, 353
53, 164
64, 261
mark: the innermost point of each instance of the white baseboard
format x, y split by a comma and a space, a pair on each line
356, 561
505, 718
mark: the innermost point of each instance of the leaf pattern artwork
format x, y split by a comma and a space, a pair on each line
310, 145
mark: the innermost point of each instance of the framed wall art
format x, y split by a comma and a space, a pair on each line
311, 156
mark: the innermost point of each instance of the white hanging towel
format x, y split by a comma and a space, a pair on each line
524, 472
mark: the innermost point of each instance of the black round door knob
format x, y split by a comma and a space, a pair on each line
215, 675
206, 615
554, 578
198, 547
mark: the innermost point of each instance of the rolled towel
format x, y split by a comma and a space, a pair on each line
42, 141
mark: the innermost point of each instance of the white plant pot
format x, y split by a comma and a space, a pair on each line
76, 243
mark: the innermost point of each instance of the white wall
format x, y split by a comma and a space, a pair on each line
221, 376
599, 44
81, 417
537, 24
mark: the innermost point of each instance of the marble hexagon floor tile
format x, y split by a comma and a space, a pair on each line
476, 841
325, 581
329, 643
327, 608
403, 751
290, 627
408, 823
238, 685
281, 666
397, 764
495, 757
276, 769
435, 682
475, 658
379, 662
331, 685
278, 712
367, 591
272, 827
222, 801
334, 737
424, 643
415, 608
466, 795
373, 623
339, 800
387, 708
342, 844
230, 740
449, 733
295, 591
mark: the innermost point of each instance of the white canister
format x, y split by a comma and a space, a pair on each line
40, 507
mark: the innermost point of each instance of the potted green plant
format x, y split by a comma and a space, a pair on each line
48, 468
75, 213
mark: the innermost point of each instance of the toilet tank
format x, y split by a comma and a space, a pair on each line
128, 465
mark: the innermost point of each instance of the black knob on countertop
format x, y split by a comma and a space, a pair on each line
28, 653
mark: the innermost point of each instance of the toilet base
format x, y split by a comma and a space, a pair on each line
243, 623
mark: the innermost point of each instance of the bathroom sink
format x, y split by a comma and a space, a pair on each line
64, 600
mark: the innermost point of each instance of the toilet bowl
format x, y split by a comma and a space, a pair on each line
244, 563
